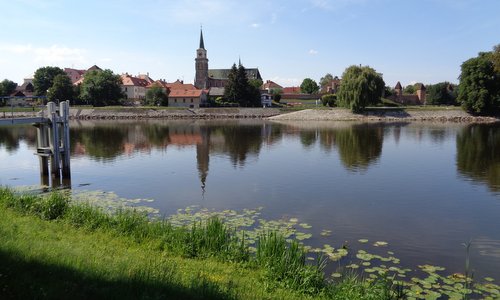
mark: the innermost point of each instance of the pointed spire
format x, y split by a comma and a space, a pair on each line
202, 45
239, 60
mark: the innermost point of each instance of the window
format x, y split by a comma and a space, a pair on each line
191, 100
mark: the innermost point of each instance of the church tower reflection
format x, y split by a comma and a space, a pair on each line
203, 156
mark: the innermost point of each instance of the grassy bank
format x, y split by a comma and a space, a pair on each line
51, 248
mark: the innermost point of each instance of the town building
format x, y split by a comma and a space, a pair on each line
191, 98
206, 78
419, 98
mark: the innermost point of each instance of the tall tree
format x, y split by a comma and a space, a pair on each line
239, 90
231, 90
309, 86
479, 88
324, 81
257, 83
157, 96
44, 78
101, 88
443, 93
7, 87
360, 87
61, 89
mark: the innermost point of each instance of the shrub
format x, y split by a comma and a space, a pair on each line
329, 100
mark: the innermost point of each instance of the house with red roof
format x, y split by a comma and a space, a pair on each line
191, 98
133, 87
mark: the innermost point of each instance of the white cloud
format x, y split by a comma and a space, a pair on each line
50, 55
16, 49
255, 25
60, 54
313, 52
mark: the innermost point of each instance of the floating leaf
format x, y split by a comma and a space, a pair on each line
363, 241
366, 263
489, 279
325, 232
294, 220
352, 266
379, 244
336, 275
305, 225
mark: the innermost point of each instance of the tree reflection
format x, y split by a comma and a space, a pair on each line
100, 142
241, 140
359, 145
478, 154
11, 136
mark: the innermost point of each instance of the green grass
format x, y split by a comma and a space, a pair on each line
51, 248
8, 109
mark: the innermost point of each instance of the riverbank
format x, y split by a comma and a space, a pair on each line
51, 248
389, 115
432, 114
112, 113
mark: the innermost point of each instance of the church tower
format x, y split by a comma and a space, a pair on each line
201, 65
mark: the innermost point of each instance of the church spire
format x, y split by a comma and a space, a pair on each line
202, 45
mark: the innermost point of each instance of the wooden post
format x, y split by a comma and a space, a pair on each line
64, 113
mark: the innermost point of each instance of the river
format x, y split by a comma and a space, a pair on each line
424, 188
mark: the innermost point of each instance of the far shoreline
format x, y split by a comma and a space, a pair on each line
407, 114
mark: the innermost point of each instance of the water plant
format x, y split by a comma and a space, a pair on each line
232, 236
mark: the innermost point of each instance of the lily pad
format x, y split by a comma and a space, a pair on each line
305, 225
325, 232
336, 275
363, 241
380, 244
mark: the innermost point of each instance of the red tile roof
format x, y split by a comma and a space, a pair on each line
180, 86
133, 81
292, 90
271, 85
192, 93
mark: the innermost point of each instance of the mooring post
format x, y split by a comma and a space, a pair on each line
41, 140
64, 112
55, 162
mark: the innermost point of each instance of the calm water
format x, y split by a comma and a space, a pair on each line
424, 188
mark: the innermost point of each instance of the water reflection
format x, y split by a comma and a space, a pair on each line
11, 136
359, 146
478, 154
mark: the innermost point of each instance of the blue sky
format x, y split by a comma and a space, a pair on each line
406, 40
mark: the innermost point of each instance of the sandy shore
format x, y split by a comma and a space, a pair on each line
339, 114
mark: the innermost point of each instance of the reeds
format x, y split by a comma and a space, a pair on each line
286, 263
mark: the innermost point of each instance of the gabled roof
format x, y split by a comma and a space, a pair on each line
178, 85
94, 67
252, 73
398, 86
159, 83
185, 93
133, 81
271, 85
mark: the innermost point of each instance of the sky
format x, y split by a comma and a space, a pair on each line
288, 40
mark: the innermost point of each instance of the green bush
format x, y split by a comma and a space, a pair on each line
329, 100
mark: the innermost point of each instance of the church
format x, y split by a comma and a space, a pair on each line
206, 78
